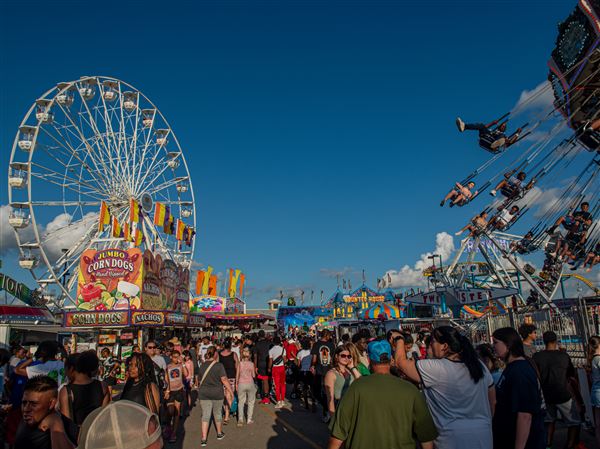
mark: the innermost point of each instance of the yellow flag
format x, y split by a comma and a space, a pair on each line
206, 280
233, 284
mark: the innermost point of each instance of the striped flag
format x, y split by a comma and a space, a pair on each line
160, 211
180, 228
168, 228
104, 216
135, 212
116, 228
127, 232
190, 236
138, 237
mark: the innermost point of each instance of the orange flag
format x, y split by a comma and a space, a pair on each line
212, 285
199, 282
242, 281
104, 216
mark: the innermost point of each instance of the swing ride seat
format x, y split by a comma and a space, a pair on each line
491, 144
590, 139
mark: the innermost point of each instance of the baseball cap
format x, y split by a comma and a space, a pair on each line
120, 425
377, 348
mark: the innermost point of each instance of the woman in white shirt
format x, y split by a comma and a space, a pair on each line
458, 387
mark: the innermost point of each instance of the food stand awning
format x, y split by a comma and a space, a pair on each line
238, 316
24, 315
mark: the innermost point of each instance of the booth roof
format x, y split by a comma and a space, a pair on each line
24, 314
238, 316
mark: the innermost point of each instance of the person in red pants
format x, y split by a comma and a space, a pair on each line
277, 368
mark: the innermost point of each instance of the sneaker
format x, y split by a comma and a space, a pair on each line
265, 401
203, 443
240, 423
220, 436
250, 421
460, 124
278, 404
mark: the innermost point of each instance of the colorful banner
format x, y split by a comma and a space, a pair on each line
207, 304
134, 211
116, 228
233, 284
147, 318
110, 279
104, 219
160, 211
206, 280
242, 282
212, 285
96, 319
180, 228
199, 281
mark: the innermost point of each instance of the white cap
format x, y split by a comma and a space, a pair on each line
119, 425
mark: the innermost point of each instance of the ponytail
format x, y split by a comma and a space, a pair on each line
459, 344
468, 355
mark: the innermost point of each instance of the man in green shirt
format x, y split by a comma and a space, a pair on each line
382, 411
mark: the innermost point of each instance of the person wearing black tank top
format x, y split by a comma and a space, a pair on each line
231, 362
83, 394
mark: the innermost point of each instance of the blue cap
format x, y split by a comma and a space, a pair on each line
377, 348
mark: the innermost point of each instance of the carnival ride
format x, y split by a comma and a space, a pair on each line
83, 143
550, 175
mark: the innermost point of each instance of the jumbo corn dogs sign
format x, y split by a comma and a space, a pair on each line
110, 279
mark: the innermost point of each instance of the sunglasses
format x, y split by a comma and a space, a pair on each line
345, 356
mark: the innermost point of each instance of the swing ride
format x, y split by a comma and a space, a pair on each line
544, 178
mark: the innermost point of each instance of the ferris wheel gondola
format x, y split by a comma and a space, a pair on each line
84, 142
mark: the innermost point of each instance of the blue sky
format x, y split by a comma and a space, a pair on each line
320, 135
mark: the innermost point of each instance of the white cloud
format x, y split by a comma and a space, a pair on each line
59, 233
540, 97
408, 276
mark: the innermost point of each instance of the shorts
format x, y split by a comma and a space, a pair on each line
263, 371
175, 396
568, 412
262, 377
211, 408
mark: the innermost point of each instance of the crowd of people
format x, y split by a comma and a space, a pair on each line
434, 390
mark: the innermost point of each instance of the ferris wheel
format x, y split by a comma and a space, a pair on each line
84, 142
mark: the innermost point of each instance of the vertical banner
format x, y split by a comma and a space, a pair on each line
242, 281
212, 285
233, 285
104, 216
134, 211
230, 279
159, 214
199, 281
206, 280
